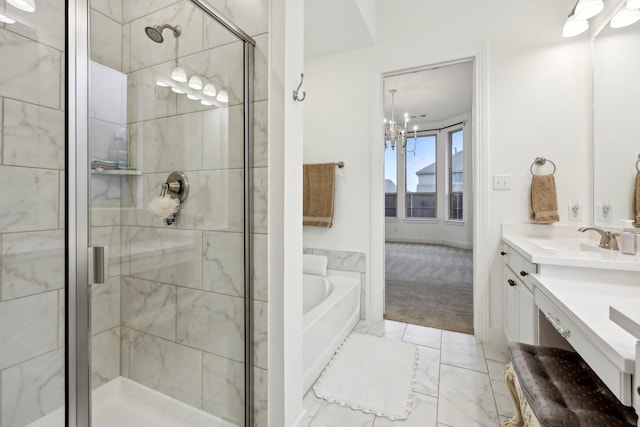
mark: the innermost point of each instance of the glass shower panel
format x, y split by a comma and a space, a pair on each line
32, 222
167, 125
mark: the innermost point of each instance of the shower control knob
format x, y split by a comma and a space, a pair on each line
523, 273
503, 253
511, 282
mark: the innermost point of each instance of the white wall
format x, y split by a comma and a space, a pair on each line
538, 103
440, 230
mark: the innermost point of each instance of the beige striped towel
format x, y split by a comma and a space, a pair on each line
319, 186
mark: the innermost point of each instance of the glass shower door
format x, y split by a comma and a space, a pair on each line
167, 133
32, 219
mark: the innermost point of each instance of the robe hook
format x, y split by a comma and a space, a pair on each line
295, 92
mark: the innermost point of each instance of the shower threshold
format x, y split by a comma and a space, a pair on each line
125, 403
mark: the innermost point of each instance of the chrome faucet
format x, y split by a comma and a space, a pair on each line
607, 238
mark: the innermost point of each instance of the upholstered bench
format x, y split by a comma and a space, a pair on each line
553, 387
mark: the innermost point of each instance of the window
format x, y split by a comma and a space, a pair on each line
390, 180
456, 174
420, 177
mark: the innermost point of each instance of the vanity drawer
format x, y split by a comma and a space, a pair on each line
608, 373
520, 266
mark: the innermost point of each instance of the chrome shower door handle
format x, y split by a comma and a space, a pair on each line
97, 265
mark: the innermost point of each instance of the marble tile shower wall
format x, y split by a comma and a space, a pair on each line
31, 217
181, 289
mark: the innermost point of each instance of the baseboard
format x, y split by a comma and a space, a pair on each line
459, 245
497, 338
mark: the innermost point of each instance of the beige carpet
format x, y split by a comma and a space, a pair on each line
429, 285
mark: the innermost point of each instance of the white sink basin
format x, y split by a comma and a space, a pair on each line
568, 245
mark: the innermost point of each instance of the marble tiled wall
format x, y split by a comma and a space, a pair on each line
31, 217
347, 261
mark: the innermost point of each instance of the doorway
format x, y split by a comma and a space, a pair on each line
428, 196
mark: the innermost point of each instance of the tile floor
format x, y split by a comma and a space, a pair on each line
459, 383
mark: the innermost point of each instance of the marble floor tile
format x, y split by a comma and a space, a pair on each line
504, 402
388, 329
496, 369
500, 355
362, 327
466, 398
428, 371
463, 351
332, 415
423, 414
422, 335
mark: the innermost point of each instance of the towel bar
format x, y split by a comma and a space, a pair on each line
341, 164
638, 163
540, 161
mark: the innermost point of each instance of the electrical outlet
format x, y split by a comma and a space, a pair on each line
502, 182
575, 212
605, 212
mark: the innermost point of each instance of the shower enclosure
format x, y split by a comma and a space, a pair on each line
125, 255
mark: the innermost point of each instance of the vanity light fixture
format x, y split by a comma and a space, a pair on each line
195, 83
161, 83
573, 26
178, 74
209, 89
625, 17
192, 97
223, 96
176, 89
633, 4
205, 102
26, 5
586, 9
6, 20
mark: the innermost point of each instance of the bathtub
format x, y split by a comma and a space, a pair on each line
331, 307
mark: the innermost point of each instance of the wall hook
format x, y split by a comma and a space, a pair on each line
295, 92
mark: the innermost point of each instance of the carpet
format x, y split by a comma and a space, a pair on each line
371, 374
429, 285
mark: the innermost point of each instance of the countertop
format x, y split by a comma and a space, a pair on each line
571, 253
587, 306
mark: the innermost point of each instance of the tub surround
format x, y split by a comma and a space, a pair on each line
574, 283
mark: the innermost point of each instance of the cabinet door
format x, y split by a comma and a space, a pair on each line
526, 314
511, 307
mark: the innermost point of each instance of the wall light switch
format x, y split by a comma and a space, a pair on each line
605, 212
575, 212
502, 182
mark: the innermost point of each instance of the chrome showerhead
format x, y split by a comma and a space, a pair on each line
155, 32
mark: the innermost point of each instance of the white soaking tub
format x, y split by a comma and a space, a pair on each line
331, 307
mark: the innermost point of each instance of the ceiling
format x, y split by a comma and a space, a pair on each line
439, 93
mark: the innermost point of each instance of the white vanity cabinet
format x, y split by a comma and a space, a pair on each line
520, 312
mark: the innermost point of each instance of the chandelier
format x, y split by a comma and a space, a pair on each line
394, 134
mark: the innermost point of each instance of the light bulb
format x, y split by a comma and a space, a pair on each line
209, 89
6, 19
586, 9
223, 96
573, 27
192, 97
624, 18
26, 5
176, 89
205, 102
161, 83
178, 74
195, 83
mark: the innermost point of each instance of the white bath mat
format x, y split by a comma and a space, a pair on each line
371, 374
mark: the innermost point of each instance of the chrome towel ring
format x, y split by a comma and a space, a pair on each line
540, 161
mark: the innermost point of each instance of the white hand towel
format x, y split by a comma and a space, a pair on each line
314, 264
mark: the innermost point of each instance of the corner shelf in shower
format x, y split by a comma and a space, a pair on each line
118, 172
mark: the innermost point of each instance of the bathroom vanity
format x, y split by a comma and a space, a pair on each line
559, 287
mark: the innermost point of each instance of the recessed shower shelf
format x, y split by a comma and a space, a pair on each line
119, 172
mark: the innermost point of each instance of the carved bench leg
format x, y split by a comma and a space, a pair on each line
509, 377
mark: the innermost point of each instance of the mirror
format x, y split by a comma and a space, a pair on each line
616, 91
